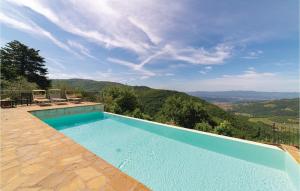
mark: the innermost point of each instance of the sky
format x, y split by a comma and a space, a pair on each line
184, 45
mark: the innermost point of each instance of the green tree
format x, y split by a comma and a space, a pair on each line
225, 128
12, 88
137, 113
203, 126
18, 60
120, 100
184, 111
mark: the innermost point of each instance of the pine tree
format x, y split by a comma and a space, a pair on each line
18, 60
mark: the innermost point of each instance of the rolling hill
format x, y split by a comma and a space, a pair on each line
86, 85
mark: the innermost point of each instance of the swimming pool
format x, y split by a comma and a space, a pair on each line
169, 158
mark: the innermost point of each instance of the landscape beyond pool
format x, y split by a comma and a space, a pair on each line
166, 158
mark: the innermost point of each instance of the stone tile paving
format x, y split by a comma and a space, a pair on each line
35, 156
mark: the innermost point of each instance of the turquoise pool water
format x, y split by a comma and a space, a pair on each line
165, 158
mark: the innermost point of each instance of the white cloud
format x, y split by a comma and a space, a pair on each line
97, 21
251, 75
253, 54
199, 55
138, 26
206, 70
248, 80
169, 74
55, 63
105, 75
154, 39
152, 31
136, 67
189, 55
83, 50
33, 29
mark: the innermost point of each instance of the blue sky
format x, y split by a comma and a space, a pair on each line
186, 45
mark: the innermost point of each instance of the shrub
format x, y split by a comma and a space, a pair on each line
120, 100
203, 126
184, 112
12, 89
224, 128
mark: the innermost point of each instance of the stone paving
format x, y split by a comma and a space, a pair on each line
35, 156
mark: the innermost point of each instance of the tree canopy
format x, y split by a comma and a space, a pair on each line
18, 60
120, 100
184, 112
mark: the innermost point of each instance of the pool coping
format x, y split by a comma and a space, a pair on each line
27, 144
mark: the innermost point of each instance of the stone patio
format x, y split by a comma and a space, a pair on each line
35, 156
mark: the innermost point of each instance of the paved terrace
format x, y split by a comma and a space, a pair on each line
35, 156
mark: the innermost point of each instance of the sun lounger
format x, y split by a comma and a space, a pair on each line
7, 103
55, 96
40, 97
72, 97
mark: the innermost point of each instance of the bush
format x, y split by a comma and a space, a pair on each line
120, 100
12, 89
203, 126
184, 112
224, 128
137, 113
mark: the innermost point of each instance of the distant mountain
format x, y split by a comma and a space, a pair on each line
241, 96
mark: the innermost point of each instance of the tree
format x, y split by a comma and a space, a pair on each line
203, 126
120, 100
12, 88
137, 113
184, 111
225, 128
18, 60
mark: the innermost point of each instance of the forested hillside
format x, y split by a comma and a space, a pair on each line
86, 85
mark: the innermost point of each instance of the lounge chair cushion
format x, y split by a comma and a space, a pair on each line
74, 98
41, 100
58, 99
